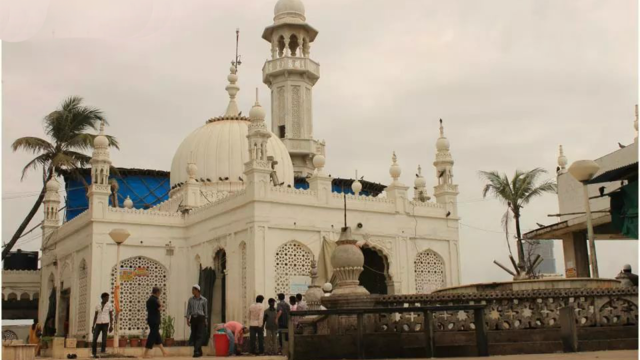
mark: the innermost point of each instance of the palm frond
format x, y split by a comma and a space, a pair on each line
41, 160
505, 222
32, 144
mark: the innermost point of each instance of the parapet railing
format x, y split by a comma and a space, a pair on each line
428, 329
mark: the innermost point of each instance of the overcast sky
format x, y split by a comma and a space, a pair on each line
512, 80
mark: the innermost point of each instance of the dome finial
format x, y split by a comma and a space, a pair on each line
101, 140
562, 160
257, 113
101, 127
356, 186
395, 171
442, 144
232, 88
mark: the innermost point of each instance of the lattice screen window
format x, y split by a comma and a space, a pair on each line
82, 298
292, 259
138, 276
430, 272
245, 316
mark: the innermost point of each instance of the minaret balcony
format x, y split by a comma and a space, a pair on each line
290, 64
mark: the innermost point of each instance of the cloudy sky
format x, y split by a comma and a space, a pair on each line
511, 79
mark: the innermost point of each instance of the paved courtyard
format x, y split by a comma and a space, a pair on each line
600, 355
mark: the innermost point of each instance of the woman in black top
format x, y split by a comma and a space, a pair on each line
153, 319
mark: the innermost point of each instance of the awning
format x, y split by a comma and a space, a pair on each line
577, 224
622, 173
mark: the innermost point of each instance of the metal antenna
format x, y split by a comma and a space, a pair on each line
237, 61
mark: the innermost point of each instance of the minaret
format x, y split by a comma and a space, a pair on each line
51, 206
100, 189
446, 192
291, 75
258, 170
420, 187
562, 162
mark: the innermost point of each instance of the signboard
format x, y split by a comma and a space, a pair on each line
128, 274
299, 284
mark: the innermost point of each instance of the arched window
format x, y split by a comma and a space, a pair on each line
25, 296
138, 275
281, 46
82, 323
292, 260
430, 272
12, 297
293, 45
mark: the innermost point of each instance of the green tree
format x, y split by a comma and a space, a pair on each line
67, 129
516, 193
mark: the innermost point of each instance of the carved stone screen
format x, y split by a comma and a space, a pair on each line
292, 259
138, 276
243, 250
82, 298
430, 272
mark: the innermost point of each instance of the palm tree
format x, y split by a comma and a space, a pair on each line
66, 127
516, 193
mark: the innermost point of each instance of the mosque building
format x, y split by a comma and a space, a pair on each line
248, 211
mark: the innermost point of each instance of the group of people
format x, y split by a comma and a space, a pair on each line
274, 320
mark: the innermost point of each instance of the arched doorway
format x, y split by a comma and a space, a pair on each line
218, 315
376, 271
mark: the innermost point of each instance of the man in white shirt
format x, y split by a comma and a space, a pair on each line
256, 325
102, 323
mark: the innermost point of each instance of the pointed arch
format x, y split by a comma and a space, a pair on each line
138, 275
292, 259
430, 274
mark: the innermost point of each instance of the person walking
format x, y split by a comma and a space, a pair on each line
153, 320
271, 324
256, 325
197, 319
35, 334
282, 318
302, 305
102, 324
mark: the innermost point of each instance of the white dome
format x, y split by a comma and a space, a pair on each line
442, 144
287, 6
220, 149
53, 185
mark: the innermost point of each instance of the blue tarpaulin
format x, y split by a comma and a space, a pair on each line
146, 188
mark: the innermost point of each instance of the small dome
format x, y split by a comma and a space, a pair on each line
420, 182
442, 144
100, 141
128, 203
257, 112
288, 6
53, 185
319, 161
356, 186
220, 148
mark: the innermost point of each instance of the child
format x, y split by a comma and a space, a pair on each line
272, 328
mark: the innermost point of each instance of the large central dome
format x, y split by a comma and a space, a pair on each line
220, 149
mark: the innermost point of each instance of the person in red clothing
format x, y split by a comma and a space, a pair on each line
235, 332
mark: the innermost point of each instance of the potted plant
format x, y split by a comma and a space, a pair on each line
167, 327
134, 340
109, 340
122, 341
143, 339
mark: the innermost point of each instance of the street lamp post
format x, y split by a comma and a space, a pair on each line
119, 236
583, 171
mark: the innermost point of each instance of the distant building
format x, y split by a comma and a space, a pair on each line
20, 285
613, 199
545, 250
